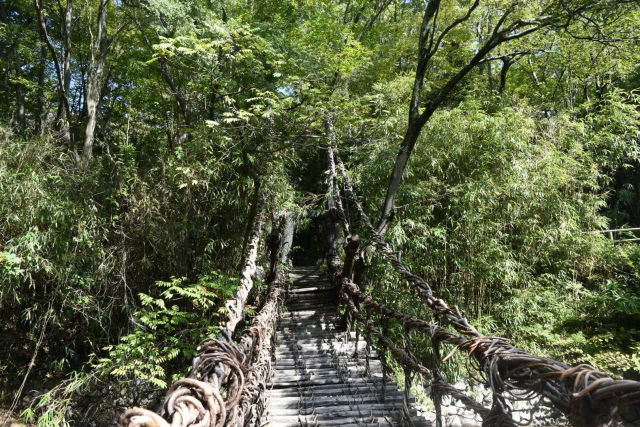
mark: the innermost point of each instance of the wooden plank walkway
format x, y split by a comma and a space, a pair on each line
317, 379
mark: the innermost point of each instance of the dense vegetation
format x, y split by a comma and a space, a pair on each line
135, 136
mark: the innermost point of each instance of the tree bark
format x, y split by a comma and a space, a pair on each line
287, 239
406, 148
179, 97
94, 81
413, 128
427, 48
63, 72
22, 120
506, 64
330, 230
236, 305
600, 87
39, 127
66, 76
380, 7
255, 201
4, 18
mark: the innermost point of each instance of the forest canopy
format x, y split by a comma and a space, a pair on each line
491, 140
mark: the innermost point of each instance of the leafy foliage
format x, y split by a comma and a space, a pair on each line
523, 159
169, 327
494, 211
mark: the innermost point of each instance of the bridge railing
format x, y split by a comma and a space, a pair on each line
614, 234
227, 381
585, 395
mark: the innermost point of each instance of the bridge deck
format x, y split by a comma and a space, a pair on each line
317, 379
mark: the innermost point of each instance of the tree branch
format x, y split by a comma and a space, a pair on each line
373, 19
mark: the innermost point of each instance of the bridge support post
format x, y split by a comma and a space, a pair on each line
383, 359
367, 356
352, 251
357, 279
437, 378
406, 412
273, 241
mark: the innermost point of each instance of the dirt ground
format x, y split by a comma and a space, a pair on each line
11, 422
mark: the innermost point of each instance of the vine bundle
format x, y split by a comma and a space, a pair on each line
227, 380
588, 397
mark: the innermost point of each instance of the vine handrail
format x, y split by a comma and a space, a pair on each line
227, 380
588, 397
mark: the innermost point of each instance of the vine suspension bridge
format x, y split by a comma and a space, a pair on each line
309, 365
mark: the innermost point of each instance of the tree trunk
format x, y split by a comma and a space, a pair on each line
418, 119
287, 239
66, 76
22, 120
6, 91
331, 232
39, 127
255, 201
94, 81
490, 77
506, 64
330, 228
213, 98
600, 87
181, 100
488, 64
236, 305
406, 148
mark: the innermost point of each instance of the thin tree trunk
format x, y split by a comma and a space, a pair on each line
287, 238
169, 140
600, 87
506, 64
180, 99
380, 7
4, 18
94, 81
255, 202
489, 67
417, 119
39, 127
166, 75
330, 228
253, 210
66, 76
63, 72
406, 148
490, 77
6, 88
22, 120
236, 305
213, 99
534, 75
